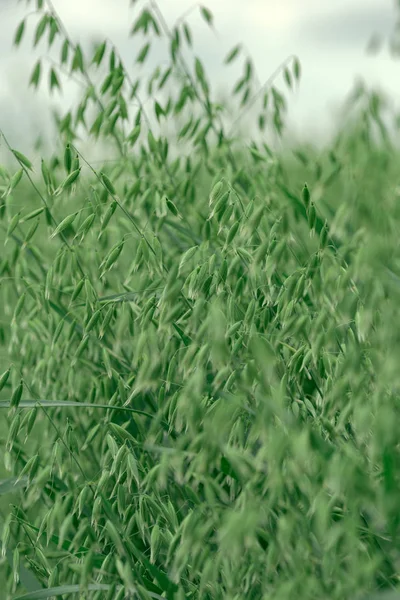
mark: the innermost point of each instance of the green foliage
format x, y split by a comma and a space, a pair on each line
199, 351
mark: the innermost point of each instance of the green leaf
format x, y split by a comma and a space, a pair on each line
188, 34
227, 469
53, 30
163, 580
141, 22
77, 61
108, 184
134, 135
207, 15
232, 54
60, 590
19, 33
40, 29
15, 179
35, 77
64, 52
54, 82
63, 225
296, 68
199, 71
4, 378
99, 54
72, 177
123, 109
158, 110
306, 196
143, 53
171, 206
64, 403
122, 434
23, 159
185, 339
287, 77
95, 128
86, 225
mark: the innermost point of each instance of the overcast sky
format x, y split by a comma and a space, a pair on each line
330, 39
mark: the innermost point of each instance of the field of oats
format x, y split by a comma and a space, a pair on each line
199, 342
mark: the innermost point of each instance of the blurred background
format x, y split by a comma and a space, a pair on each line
331, 40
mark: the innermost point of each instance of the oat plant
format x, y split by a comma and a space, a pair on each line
199, 351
